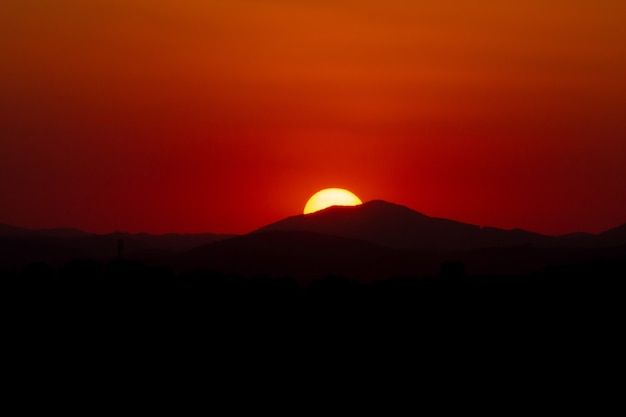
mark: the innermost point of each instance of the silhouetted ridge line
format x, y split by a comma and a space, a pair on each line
19, 246
398, 226
375, 240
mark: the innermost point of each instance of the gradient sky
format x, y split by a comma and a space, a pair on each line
223, 116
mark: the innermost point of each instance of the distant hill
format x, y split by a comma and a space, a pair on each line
397, 226
372, 241
19, 246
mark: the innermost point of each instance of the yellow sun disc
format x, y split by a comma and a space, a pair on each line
331, 197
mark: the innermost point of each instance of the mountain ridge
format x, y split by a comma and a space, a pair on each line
400, 227
56, 246
374, 240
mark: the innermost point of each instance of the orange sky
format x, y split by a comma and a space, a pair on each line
222, 116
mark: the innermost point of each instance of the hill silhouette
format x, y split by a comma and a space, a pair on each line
20, 246
400, 227
397, 226
375, 240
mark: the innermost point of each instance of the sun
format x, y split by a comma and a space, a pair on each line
331, 197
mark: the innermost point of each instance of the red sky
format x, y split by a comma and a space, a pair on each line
223, 116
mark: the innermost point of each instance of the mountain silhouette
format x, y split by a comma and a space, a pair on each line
372, 241
399, 227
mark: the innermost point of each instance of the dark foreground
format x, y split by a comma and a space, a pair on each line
131, 322
127, 297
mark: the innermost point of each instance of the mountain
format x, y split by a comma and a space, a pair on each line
397, 226
372, 241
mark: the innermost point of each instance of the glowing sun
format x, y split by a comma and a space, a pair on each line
331, 197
